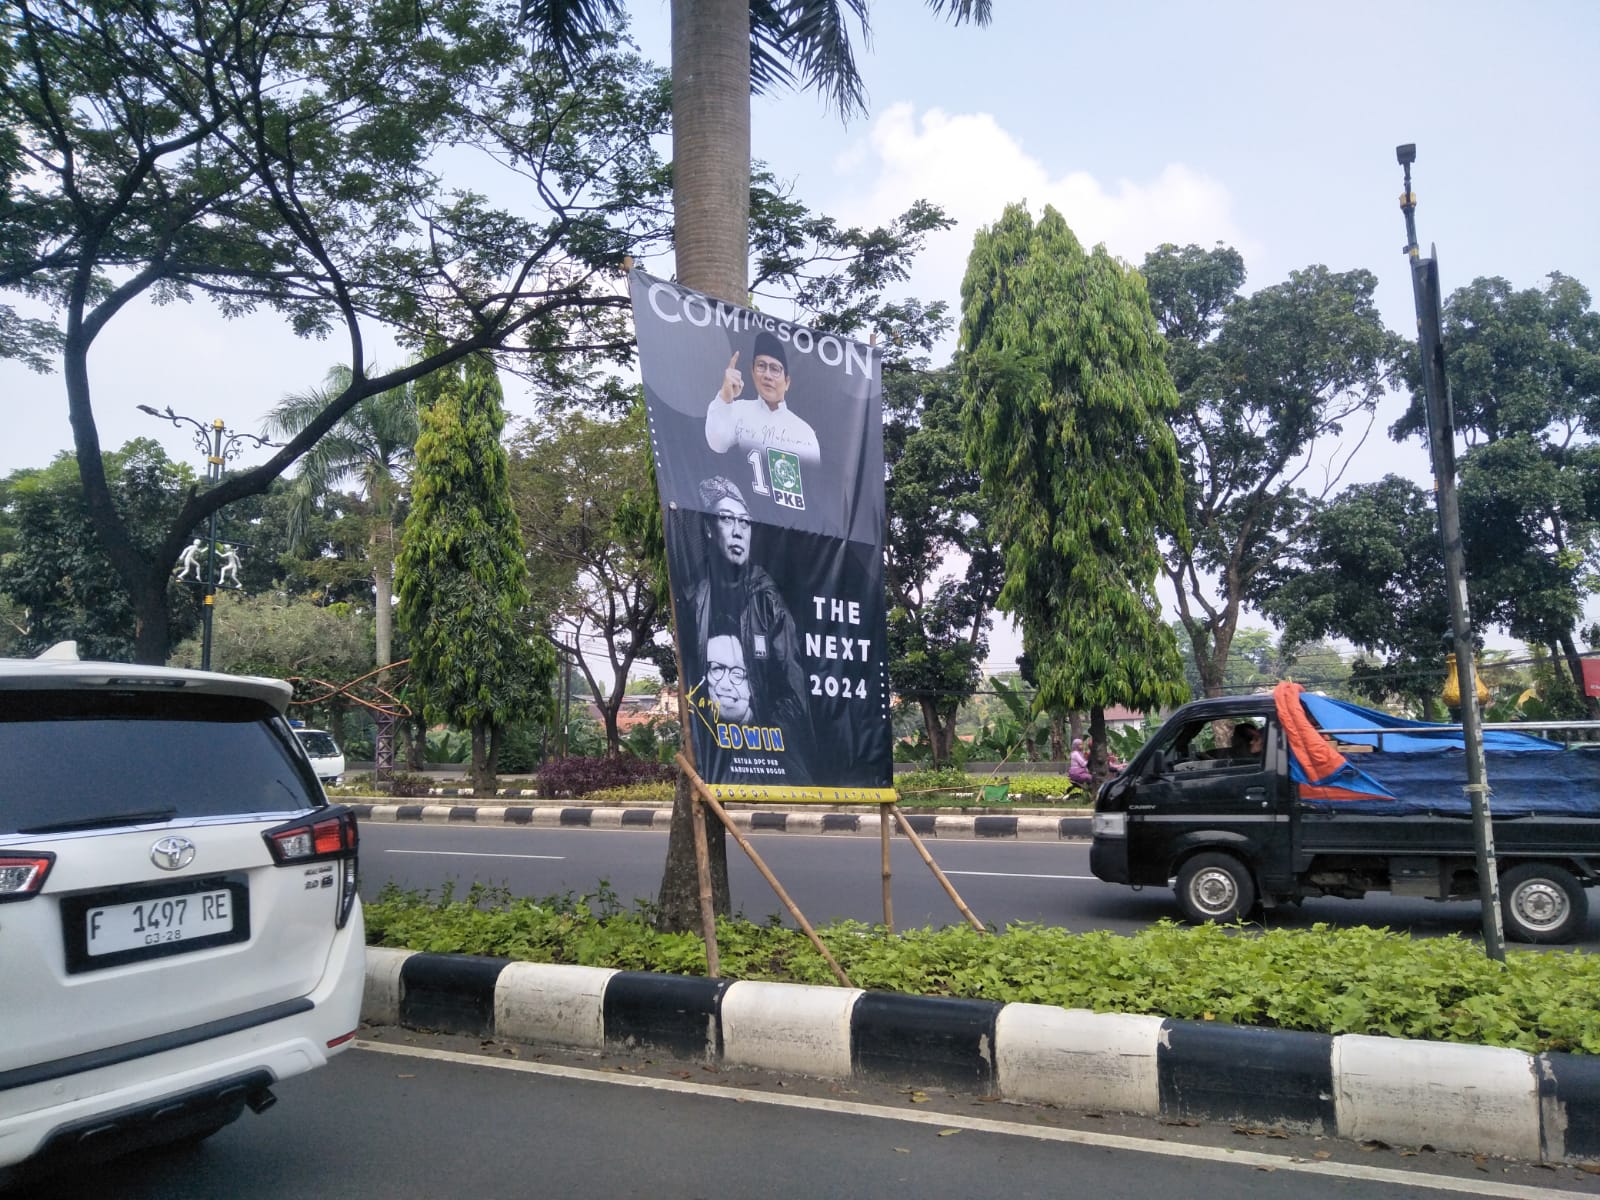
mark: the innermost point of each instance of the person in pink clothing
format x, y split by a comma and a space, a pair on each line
1078, 762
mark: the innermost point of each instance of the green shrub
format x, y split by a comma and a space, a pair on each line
1355, 980
657, 795
944, 779
954, 788
447, 746
582, 776
408, 784
520, 748
1055, 788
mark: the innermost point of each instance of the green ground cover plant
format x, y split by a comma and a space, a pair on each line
1325, 980
953, 788
654, 795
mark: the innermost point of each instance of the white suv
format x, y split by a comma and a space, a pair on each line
179, 925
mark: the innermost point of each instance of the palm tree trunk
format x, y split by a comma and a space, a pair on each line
711, 145
711, 219
381, 555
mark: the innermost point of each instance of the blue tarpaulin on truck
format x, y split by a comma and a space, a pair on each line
1400, 736
1424, 767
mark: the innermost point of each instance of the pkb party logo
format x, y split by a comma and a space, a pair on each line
783, 468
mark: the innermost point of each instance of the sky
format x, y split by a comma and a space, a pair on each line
1268, 126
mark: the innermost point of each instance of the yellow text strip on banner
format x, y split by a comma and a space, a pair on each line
767, 793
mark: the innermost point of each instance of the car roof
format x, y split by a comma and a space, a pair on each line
1218, 707
59, 667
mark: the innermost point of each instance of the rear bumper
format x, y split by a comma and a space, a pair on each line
126, 1093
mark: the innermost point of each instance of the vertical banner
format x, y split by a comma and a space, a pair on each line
768, 444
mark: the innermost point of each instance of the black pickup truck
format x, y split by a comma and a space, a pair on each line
1231, 828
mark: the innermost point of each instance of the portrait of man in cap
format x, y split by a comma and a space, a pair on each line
733, 598
764, 422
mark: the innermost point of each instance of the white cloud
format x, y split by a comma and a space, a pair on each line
972, 167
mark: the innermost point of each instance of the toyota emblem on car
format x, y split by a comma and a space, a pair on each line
172, 853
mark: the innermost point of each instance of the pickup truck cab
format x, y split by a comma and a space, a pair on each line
1236, 827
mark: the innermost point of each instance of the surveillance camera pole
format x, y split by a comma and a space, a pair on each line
1441, 440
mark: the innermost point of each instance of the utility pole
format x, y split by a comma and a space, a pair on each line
1442, 442
566, 699
219, 446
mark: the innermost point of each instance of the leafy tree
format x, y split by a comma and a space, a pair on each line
373, 445
1524, 374
462, 576
1368, 568
1067, 403
57, 573
1252, 662
836, 278
571, 477
285, 156
283, 637
943, 568
1268, 384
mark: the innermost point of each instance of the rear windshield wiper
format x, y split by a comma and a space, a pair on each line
102, 819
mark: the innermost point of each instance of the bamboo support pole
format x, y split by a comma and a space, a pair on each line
708, 913
710, 801
888, 900
944, 881
702, 850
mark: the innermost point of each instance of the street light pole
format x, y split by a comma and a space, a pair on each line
1441, 439
214, 462
219, 446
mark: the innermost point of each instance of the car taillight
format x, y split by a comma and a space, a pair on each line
330, 834
22, 875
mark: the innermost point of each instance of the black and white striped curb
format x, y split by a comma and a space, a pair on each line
1023, 827
534, 794
1477, 1099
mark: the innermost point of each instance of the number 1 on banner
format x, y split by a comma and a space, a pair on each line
758, 481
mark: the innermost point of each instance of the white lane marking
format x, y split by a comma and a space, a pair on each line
1110, 1141
1021, 875
476, 854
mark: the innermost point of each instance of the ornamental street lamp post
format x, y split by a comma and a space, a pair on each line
1441, 440
220, 446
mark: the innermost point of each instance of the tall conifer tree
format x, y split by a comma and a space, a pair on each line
462, 576
1067, 399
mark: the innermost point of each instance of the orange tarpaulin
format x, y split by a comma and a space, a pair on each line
1319, 762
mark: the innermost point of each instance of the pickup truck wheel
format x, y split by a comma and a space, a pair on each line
1215, 887
1542, 903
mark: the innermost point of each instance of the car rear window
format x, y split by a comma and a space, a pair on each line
76, 756
317, 743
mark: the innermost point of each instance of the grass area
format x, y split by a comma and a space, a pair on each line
1346, 980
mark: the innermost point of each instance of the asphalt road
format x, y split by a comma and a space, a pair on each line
436, 1119
838, 876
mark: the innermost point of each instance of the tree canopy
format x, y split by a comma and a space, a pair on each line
943, 568
1368, 568
477, 659
287, 157
1278, 390
574, 479
1524, 375
1067, 407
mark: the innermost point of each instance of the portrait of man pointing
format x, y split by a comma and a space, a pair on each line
764, 422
